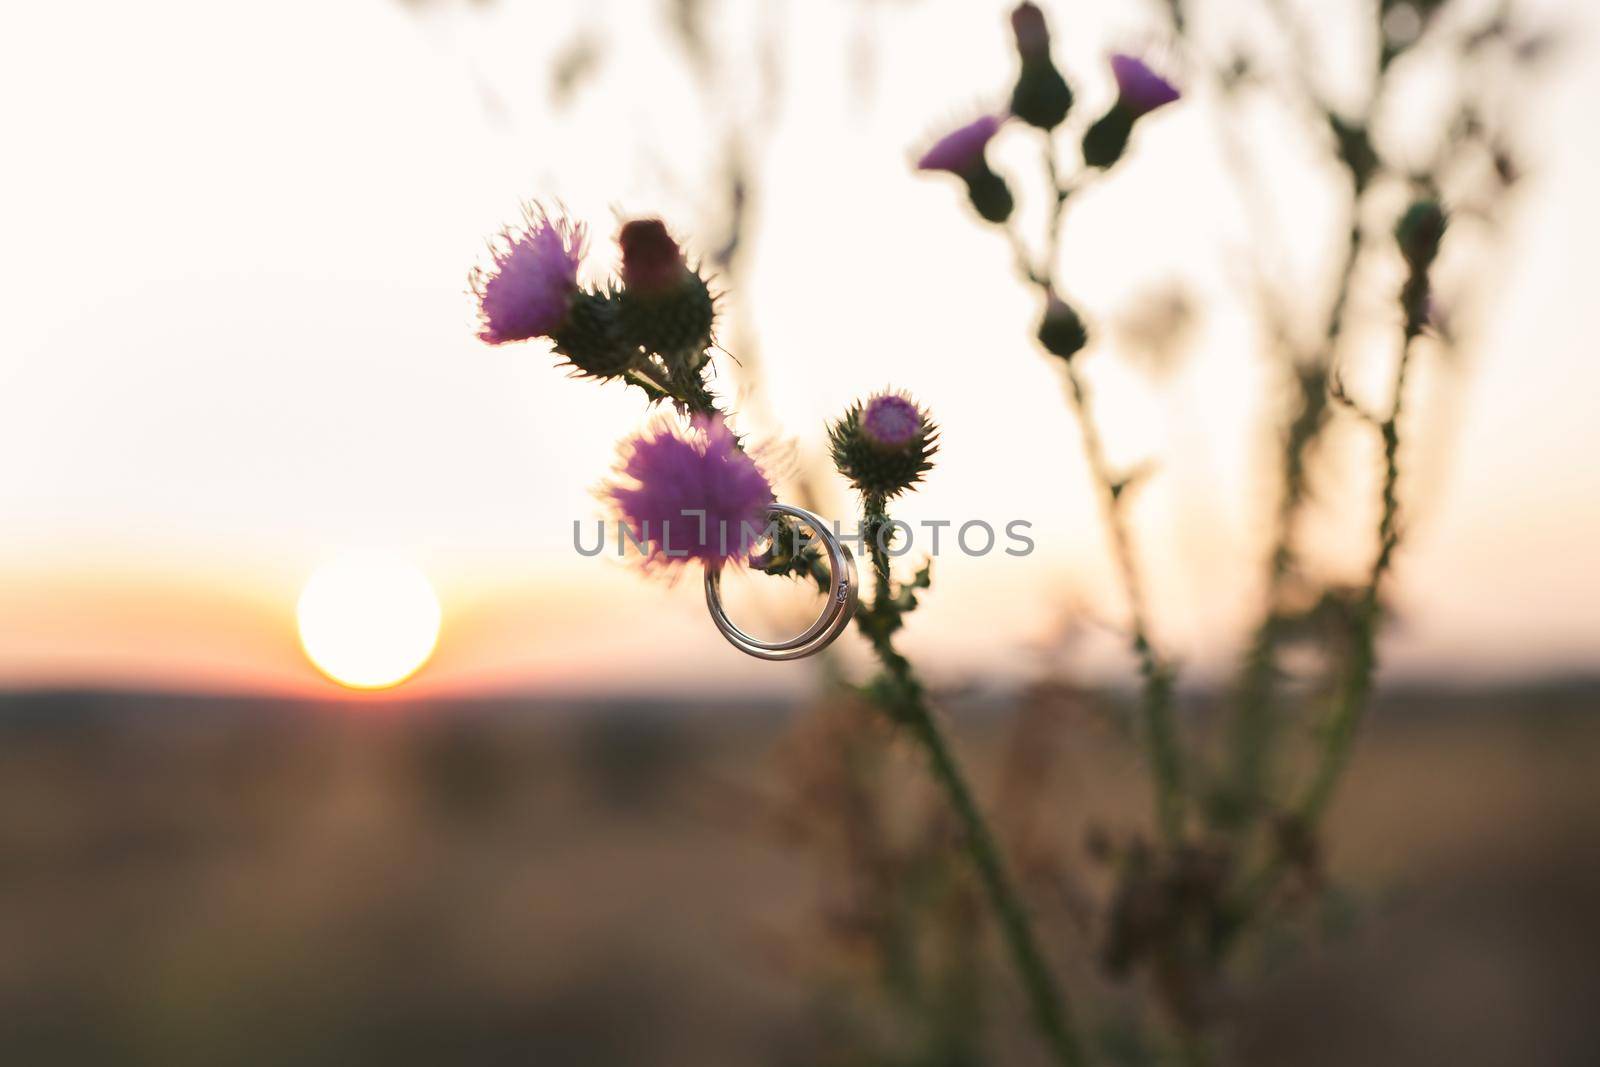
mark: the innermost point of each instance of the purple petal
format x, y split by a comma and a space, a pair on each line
529, 287
890, 420
1141, 89
962, 149
695, 493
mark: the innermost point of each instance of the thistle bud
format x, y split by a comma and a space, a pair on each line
961, 152
1041, 96
1105, 141
1140, 91
1061, 331
990, 195
1033, 34
666, 307
1355, 150
885, 445
1419, 232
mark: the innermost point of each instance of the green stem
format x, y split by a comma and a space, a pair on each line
1155, 699
1048, 1007
690, 390
1254, 723
1357, 685
1155, 702
904, 699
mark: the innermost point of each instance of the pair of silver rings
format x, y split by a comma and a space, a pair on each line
836, 614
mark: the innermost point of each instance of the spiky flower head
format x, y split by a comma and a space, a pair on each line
690, 493
529, 287
667, 307
1061, 330
1139, 89
961, 152
890, 421
884, 445
1041, 96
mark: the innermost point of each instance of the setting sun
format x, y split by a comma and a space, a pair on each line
368, 622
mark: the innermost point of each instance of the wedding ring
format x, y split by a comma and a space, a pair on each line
836, 614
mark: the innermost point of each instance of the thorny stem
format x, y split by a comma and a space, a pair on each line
900, 693
1356, 685
1357, 682
647, 378
1254, 722
1156, 698
692, 392
684, 386
1155, 701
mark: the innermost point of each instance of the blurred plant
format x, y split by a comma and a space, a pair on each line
1466, 160
895, 949
1225, 837
1233, 847
652, 329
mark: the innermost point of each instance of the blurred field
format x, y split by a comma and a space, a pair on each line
192, 880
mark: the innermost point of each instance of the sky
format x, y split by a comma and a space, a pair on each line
237, 343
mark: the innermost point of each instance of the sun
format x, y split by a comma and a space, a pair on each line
368, 621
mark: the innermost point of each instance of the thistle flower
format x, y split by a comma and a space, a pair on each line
1041, 96
1140, 91
666, 306
961, 149
961, 152
693, 494
529, 288
885, 445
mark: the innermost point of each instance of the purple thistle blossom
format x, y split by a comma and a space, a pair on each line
528, 289
1140, 89
961, 150
890, 421
694, 495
